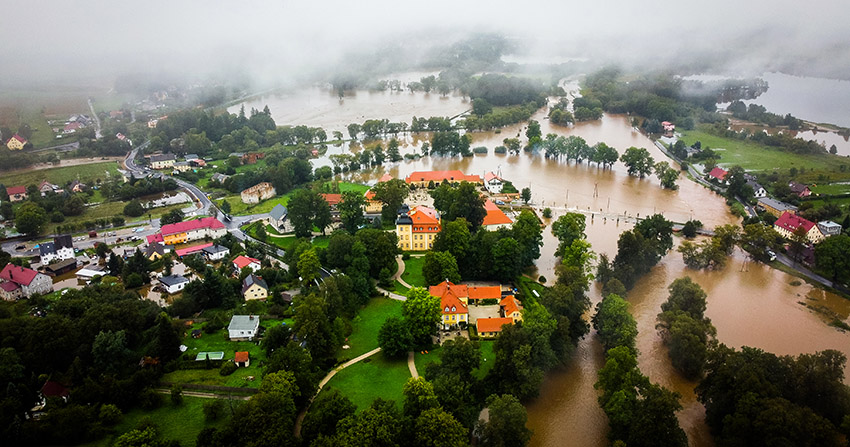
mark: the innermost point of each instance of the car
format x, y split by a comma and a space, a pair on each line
771, 255
499, 202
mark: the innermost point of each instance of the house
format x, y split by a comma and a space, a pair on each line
495, 217
173, 283
62, 248
182, 166
417, 229
242, 359
775, 207
668, 127
509, 308
829, 228
47, 252
122, 137
242, 261
72, 127
219, 177
46, 187
252, 157
258, 192
76, 186
243, 327
192, 250
423, 178
152, 123
29, 281
800, 189
254, 288
162, 161
372, 206
190, 230
89, 273
332, 199
493, 183
17, 193
192, 157
154, 251
758, 190
789, 223
453, 310
491, 327
718, 174
16, 143
216, 252
277, 218
61, 267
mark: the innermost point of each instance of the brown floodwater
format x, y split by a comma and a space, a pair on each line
750, 304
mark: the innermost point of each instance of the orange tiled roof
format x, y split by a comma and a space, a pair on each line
241, 357
385, 178
492, 324
439, 176
370, 195
459, 290
485, 293
332, 199
494, 216
510, 305
451, 304
422, 215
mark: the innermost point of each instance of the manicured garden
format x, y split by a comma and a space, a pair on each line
367, 323
376, 376
413, 271
488, 358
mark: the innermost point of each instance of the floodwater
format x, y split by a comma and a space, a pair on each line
818, 100
750, 304
825, 138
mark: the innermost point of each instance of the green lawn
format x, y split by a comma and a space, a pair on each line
487, 359
413, 271
181, 423
238, 208
753, 156
367, 323
108, 210
526, 287
400, 289
833, 188
346, 186
371, 378
60, 176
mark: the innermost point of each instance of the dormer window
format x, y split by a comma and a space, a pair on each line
454, 309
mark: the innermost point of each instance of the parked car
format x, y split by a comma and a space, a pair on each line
771, 255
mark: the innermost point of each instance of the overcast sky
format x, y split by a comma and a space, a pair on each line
279, 39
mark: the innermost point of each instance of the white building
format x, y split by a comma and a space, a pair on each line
493, 183
829, 228
216, 252
242, 261
243, 327
173, 283
23, 282
277, 218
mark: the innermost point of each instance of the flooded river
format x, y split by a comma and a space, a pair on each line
749, 303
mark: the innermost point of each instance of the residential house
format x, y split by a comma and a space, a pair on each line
242, 359
668, 127
495, 217
123, 138
789, 223
192, 250
154, 251
758, 190
372, 206
332, 199
491, 327
182, 166
509, 308
243, 261
216, 252
417, 229
173, 283
47, 252
162, 161
72, 127
277, 218
453, 311
76, 186
775, 207
88, 273
423, 178
829, 228
243, 327
152, 123
27, 280
16, 143
46, 187
17, 193
219, 177
254, 288
61, 267
191, 230
258, 192
493, 183
62, 248
800, 189
191, 157
718, 174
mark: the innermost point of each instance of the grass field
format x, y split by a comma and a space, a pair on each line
181, 423
108, 210
367, 323
371, 378
433, 356
238, 208
286, 242
753, 156
346, 186
413, 271
832, 188
60, 176
400, 289
526, 288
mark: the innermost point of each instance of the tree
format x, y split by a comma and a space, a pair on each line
614, 324
606, 155
313, 326
172, 217
689, 230
758, 238
507, 255
167, 341
454, 238
481, 107
638, 161
422, 313
394, 337
353, 130
392, 150
418, 397
30, 219
506, 426
109, 351
351, 210
440, 266
831, 257
527, 232
392, 194
301, 211
526, 195
321, 213
74, 206
309, 266
225, 207
567, 229
329, 407
436, 428
667, 175
533, 130
464, 201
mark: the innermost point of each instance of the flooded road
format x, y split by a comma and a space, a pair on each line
750, 304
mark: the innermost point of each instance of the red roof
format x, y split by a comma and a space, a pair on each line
242, 261
370, 195
492, 324
451, 304
241, 357
12, 190
193, 249
332, 199
182, 227
9, 286
791, 222
718, 173
494, 216
54, 389
154, 238
490, 176
459, 290
19, 138
385, 178
439, 176
18, 275
422, 215
73, 126
485, 293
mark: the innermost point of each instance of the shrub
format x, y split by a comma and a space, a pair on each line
547, 212
541, 279
500, 150
149, 399
228, 368
176, 394
213, 409
405, 256
110, 414
480, 150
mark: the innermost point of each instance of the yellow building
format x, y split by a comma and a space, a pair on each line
510, 308
418, 229
372, 206
454, 311
254, 288
16, 143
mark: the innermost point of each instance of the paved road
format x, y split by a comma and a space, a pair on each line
97, 133
206, 395
784, 259
411, 364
